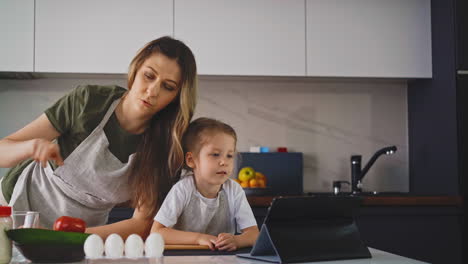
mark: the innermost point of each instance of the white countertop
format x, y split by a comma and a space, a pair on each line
378, 257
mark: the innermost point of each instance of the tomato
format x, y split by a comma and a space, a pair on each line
70, 224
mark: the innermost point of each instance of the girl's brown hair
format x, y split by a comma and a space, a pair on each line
199, 132
159, 157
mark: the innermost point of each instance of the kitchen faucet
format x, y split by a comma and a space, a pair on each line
357, 174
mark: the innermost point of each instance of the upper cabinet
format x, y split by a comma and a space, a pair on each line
369, 38
329, 38
17, 35
244, 37
89, 36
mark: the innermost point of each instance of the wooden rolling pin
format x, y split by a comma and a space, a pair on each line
185, 247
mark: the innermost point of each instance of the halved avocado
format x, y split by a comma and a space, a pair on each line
35, 236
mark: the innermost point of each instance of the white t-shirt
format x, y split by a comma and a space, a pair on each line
179, 196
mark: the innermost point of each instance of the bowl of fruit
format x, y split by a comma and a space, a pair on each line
253, 182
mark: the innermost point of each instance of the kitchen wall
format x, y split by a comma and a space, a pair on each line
326, 119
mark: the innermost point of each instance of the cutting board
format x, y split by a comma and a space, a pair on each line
185, 247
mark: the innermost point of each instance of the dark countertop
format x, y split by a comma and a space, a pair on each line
397, 200
408, 200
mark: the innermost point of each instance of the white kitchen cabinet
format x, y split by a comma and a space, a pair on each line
89, 36
369, 38
16, 35
244, 37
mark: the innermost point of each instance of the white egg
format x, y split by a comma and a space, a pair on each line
93, 246
134, 246
114, 246
154, 245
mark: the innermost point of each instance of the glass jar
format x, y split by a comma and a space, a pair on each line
6, 223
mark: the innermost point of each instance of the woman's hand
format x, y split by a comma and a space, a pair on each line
207, 240
44, 150
30, 142
227, 242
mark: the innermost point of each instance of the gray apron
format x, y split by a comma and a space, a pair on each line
91, 181
221, 221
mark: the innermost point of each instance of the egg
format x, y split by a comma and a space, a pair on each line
114, 246
93, 246
134, 246
154, 245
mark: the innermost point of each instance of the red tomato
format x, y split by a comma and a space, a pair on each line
70, 224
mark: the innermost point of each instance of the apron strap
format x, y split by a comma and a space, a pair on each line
109, 113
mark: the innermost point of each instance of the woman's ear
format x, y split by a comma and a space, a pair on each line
189, 160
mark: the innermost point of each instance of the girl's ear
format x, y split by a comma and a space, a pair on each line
189, 160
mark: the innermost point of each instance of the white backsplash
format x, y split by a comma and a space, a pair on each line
328, 120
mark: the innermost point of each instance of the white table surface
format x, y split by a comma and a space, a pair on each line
378, 257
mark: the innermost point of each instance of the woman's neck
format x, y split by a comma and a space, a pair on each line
131, 123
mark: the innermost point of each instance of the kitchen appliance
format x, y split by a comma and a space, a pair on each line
462, 110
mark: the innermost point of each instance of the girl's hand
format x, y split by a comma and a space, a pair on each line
207, 240
226, 241
44, 150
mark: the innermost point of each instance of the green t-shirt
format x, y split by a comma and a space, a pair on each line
75, 116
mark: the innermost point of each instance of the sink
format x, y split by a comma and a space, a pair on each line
384, 194
362, 194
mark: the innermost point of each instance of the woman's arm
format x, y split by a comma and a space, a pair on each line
172, 236
32, 141
139, 224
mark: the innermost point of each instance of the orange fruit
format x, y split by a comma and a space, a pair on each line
244, 184
253, 183
261, 183
259, 175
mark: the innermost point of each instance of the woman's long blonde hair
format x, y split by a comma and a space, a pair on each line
159, 158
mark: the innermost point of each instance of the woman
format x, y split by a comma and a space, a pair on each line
113, 145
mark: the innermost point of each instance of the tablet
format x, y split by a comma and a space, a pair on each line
301, 229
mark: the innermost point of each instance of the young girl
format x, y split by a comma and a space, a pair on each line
206, 207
